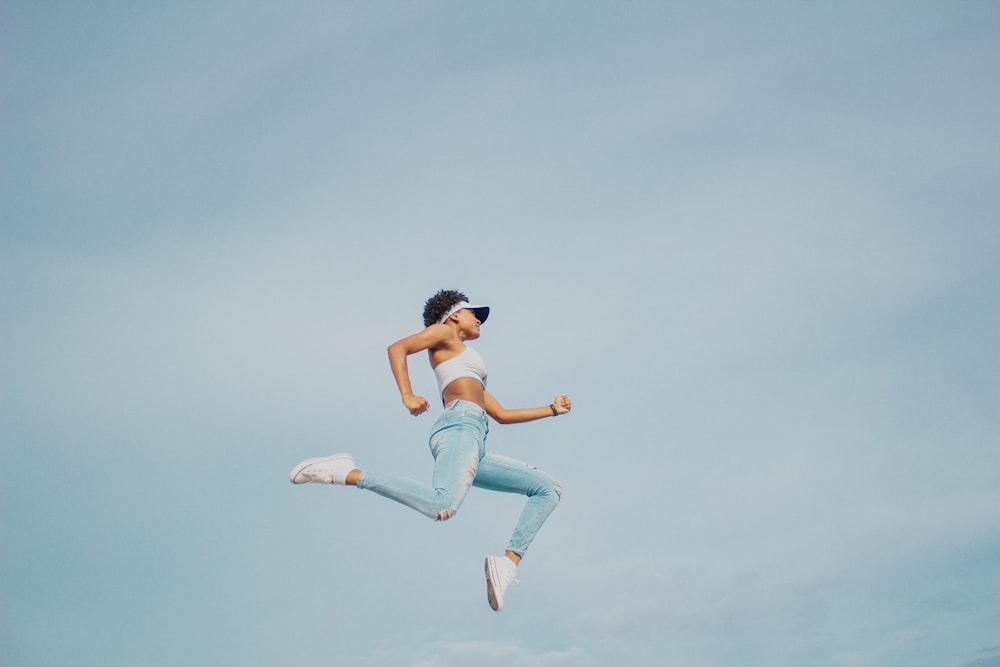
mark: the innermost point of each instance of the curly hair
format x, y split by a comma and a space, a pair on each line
441, 303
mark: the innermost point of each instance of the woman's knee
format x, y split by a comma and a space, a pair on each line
551, 490
446, 506
444, 515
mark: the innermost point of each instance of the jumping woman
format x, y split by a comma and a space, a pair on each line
458, 439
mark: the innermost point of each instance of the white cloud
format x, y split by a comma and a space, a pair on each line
484, 653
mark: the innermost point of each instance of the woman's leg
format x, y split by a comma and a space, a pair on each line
456, 443
501, 473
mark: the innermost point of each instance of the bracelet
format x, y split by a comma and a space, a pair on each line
555, 413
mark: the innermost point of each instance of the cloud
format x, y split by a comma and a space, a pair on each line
990, 659
480, 653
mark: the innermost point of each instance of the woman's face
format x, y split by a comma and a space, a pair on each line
468, 323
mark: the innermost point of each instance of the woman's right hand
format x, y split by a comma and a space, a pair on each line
417, 405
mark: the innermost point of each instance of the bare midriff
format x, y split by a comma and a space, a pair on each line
465, 389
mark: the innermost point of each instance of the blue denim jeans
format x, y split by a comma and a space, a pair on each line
458, 444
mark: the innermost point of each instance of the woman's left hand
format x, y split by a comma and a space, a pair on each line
562, 404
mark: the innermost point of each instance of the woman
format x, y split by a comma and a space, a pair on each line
458, 440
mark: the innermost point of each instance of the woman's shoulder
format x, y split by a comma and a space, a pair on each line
443, 339
441, 334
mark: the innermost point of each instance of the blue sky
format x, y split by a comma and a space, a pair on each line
756, 243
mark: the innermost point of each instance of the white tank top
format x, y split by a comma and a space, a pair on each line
465, 364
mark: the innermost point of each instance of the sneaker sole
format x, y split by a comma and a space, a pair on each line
308, 462
491, 594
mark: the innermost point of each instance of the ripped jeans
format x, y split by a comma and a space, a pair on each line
458, 444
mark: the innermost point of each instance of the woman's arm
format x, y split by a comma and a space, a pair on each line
560, 406
427, 339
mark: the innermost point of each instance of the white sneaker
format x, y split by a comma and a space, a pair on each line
325, 470
501, 572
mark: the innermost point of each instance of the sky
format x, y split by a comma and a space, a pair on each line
756, 243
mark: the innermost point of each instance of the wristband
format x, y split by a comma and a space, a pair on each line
555, 413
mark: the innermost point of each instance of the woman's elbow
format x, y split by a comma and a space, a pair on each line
500, 417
